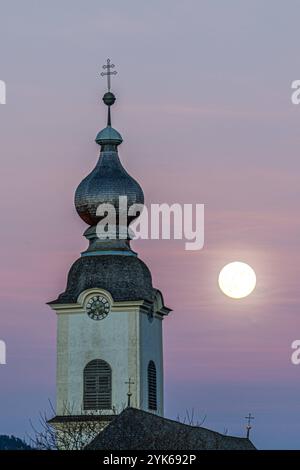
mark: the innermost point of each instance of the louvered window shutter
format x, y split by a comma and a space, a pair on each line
97, 385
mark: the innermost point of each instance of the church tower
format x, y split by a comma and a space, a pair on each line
109, 318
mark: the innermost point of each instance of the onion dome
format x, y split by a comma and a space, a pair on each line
108, 180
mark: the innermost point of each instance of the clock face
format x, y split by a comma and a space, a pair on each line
97, 307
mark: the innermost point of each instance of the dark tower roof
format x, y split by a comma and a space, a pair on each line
125, 277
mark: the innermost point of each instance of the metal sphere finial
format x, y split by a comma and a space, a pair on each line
109, 98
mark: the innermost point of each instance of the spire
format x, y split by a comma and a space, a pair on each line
109, 135
109, 98
249, 427
129, 382
104, 185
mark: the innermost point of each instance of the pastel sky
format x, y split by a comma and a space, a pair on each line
203, 104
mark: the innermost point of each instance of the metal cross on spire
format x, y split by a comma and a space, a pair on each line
249, 427
109, 72
129, 394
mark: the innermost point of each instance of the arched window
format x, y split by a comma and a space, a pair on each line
97, 385
152, 386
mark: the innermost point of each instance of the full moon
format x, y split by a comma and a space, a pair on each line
237, 280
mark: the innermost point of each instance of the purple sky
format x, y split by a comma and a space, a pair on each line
204, 108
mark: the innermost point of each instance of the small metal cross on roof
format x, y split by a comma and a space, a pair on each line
129, 394
249, 427
108, 67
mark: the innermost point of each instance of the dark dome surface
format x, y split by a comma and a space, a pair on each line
125, 277
105, 184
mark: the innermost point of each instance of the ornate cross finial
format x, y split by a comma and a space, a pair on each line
249, 427
108, 66
129, 394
